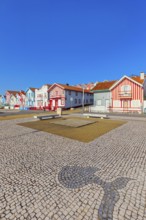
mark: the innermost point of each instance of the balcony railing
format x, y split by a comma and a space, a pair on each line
125, 94
56, 96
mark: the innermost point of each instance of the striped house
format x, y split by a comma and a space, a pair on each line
124, 95
11, 97
66, 96
30, 97
128, 94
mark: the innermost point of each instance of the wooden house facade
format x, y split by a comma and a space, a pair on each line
66, 96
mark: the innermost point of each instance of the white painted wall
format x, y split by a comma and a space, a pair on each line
144, 106
116, 103
102, 101
41, 96
135, 103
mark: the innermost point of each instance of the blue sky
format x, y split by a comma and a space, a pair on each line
70, 41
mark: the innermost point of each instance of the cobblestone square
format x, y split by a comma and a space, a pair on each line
49, 177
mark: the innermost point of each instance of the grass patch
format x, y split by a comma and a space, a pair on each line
84, 134
10, 117
18, 115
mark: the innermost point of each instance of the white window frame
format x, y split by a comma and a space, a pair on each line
98, 102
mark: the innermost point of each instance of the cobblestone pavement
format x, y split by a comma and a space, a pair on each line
47, 177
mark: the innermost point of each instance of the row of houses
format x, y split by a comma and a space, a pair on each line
49, 97
124, 95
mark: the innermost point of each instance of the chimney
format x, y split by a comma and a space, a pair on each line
142, 75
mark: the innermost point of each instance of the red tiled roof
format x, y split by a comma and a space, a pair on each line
73, 88
13, 92
22, 92
33, 89
138, 79
103, 85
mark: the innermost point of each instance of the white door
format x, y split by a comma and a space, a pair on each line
53, 103
107, 103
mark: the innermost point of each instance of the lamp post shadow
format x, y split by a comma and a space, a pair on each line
74, 177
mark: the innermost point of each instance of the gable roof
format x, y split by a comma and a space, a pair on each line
32, 89
13, 92
103, 85
48, 86
71, 88
135, 79
87, 86
22, 92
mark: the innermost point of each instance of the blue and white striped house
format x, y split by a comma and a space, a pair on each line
30, 97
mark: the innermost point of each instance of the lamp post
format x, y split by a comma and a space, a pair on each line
83, 101
71, 99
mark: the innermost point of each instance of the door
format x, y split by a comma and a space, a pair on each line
59, 102
56, 104
107, 104
125, 105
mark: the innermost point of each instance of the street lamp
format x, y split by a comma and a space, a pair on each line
83, 100
71, 99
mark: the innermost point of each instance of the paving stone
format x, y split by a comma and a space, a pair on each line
47, 177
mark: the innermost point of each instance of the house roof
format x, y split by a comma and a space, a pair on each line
22, 92
137, 79
48, 85
32, 89
87, 86
108, 84
103, 85
13, 92
134, 79
72, 88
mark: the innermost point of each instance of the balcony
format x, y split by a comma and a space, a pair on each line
56, 96
125, 94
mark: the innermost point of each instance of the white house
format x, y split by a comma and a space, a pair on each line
42, 96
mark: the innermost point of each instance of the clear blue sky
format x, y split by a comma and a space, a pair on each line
70, 41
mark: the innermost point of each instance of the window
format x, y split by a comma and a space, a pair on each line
126, 88
98, 102
56, 93
75, 101
69, 92
62, 102
79, 101
76, 93
86, 101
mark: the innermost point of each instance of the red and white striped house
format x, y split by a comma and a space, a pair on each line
15, 99
128, 94
124, 95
